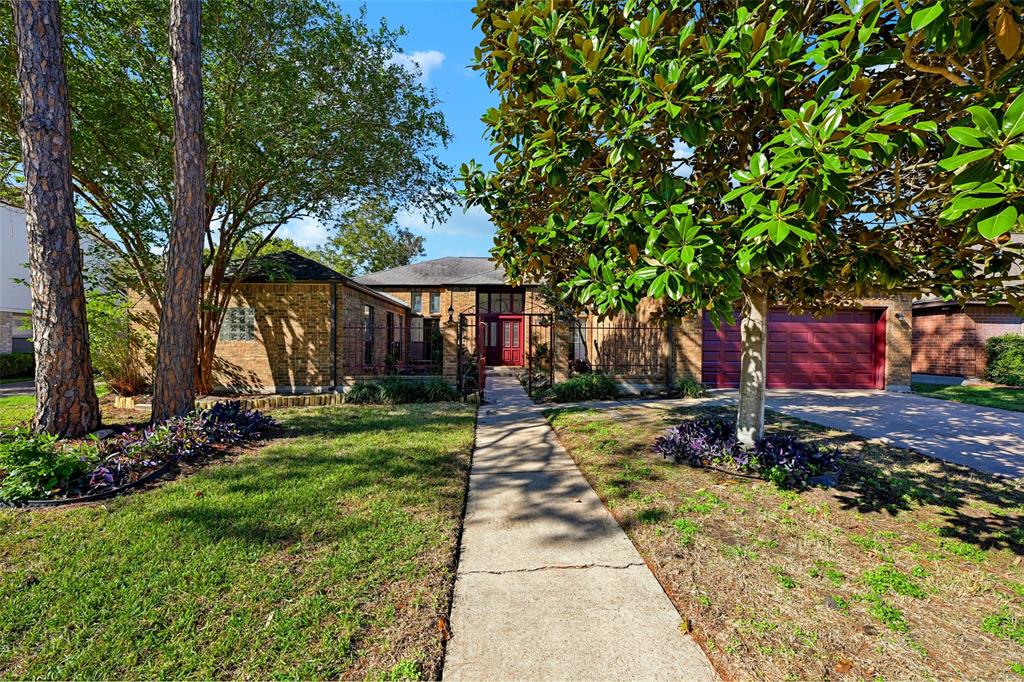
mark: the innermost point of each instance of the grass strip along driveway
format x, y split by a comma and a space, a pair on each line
328, 553
1003, 397
909, 569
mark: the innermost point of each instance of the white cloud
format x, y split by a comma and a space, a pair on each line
472, 223
306, 232
420, 63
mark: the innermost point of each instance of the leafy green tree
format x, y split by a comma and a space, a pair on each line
365, 239
725, 154
306, 114
362, 240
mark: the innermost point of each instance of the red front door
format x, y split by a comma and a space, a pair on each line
504, 340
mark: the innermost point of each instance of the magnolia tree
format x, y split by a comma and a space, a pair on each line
723, 155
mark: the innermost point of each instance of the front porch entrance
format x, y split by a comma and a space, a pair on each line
504, 340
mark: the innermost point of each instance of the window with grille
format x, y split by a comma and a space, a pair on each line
239, 325
580, 339
368, 334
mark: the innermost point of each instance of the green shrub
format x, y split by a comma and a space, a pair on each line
396, 390
33, 465
1006, 359
593, 386
689, 388
114, 343
16, 365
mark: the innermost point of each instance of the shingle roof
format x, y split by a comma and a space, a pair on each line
451, 270
288, 266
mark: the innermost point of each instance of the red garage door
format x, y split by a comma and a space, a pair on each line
846, 350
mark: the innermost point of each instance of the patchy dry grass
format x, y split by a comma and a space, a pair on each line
910, 568
329, 553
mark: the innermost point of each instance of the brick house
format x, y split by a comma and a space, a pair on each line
296, 326
949, 339
869, 347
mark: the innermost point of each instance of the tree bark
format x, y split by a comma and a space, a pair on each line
66, 401
753, 364
174, 388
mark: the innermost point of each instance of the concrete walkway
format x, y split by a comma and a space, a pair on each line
548, 585
983, 438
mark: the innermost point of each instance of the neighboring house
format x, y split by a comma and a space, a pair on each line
949, 339
15, 297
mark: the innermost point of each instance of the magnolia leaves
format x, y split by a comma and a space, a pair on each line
987, 160
926, 15
1005, 29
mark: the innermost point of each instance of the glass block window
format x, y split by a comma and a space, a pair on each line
239, 325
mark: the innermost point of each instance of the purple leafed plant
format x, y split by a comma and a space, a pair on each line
711, 441
133, 454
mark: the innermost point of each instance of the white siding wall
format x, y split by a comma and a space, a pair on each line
14, 297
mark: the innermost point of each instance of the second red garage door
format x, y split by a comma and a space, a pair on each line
845, 350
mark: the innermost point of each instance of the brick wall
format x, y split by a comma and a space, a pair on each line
291, 351
950, 341
898, 341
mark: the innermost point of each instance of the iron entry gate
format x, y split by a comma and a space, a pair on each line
532, 348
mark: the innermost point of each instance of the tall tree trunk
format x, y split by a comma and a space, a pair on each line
753, 364
174, 389
66, 401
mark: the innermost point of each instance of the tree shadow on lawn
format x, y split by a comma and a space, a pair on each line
323, 477
974, 507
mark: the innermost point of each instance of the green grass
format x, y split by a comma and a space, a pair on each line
986, 396
14, 380
328, 553
16, 409
904, 558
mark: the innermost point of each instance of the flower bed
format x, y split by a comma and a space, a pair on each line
41, 467
711, 442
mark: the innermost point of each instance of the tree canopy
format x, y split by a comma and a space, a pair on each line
824, 151
307, 114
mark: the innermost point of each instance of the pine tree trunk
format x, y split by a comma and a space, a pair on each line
753, 365
66, 401
174, 386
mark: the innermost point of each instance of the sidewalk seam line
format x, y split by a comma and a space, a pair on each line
555, 567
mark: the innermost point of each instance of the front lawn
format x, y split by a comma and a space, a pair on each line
987, 396
328, 553
909, 569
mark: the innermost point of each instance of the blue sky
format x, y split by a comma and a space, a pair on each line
440, 39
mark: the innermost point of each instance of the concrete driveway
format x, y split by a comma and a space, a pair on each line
18, 388
984, 438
